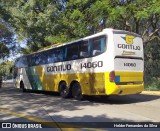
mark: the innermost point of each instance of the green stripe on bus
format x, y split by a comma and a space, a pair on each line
34, 79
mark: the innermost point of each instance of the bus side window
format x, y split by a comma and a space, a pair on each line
33, 60
37, 58
41, 58
72, 51
59, 55
103, 44
84, 49
17, 63
29, 60
96, 52
51, 56
98, 45
55, 55
22, 62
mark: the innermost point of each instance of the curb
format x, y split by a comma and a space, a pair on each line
151, 92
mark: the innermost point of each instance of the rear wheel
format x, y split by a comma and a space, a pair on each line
64, 90
76, 91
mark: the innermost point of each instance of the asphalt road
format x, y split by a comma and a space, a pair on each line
16, 106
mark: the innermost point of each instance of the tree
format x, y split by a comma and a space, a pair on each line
6, 40
34, 21
5, 68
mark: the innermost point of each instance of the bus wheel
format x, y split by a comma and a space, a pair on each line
64, 90
76, 91
22, 86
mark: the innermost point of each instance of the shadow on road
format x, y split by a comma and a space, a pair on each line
52, 105
137, 98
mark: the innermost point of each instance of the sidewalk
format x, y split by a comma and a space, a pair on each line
8, 81
151, 92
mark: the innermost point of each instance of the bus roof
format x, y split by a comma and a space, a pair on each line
104, 31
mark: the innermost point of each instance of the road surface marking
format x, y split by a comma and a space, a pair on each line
53, 124
29, 117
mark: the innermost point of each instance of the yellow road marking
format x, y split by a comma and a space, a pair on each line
29, 117
47, 123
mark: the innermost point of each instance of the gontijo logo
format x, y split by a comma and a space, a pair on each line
129, 39
129, 46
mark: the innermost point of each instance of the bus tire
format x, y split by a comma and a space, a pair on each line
64, 90
22, 86
76, 91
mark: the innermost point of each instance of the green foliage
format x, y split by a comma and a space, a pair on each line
56, 39
5, 68
6, 34
40, 21
152, 84
5, 40
4, 51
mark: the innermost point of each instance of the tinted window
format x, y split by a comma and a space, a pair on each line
29, 60
17, 63
81, 49
55, 55
40, 58
98, 45
84, 49
72, 51
21, 62
33, 60
51, 56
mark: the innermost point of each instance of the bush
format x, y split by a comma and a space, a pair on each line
152, 84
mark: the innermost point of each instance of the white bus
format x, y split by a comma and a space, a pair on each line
107, 63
